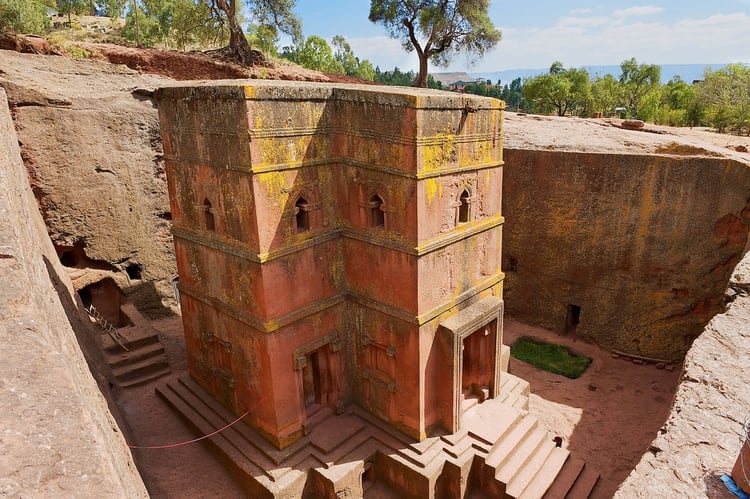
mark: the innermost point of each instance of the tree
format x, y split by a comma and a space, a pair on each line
606, 95
512, 94
24, 16
265, 38
725, 94
276, 13
192, 24
351, 64
314, 53
637, 81
71, 6
437, 29
561, 90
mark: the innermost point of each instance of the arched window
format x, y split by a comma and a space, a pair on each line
377, 215
463, 208
208, 216
302, 215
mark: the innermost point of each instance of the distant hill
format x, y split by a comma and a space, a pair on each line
688, 72
448, 78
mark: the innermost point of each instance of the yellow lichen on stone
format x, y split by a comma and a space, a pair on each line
433, 189
438, 155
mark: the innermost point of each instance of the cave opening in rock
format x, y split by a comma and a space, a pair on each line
106, 298
134, 271
75, 257
572, 318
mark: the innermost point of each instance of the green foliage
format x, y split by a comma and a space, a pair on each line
110, 8
351, 64
513, 94
637, 81
725, 96
552, 358
561, 91
437, 29
264, 38
276, 13
192, 25
142, 27
314, 53
24, 16
398, 78
78, 52
172, 23
606, 95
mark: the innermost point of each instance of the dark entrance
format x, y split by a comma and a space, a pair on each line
572, 319
311, 382
478, 366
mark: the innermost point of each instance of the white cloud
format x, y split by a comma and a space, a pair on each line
645, 10
583, 12
582, 21
716, 39
385, 52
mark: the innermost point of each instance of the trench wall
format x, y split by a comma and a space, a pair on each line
642, 245
59, 438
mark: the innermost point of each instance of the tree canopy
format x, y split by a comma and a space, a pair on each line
561, 90
637, 80
437, 29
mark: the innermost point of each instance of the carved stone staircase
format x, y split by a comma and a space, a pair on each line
500, 451
143, 359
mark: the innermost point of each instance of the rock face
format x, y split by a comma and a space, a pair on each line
629, 243
701, 438
59, 438
91, 143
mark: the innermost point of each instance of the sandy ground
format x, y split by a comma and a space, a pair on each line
608, 417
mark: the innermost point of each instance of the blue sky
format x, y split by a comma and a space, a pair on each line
575, 32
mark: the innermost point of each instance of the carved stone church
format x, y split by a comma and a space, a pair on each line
339, 252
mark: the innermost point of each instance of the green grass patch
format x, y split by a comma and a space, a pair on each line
550, 357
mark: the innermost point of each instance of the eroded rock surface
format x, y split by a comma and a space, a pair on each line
89, 136
701, 438
58, 437
626, 238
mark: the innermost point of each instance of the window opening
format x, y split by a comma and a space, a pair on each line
572, 319
463, 209
208, 216
512, 264
377, 215
302, 215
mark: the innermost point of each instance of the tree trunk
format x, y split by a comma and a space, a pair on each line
422, 77
238, 44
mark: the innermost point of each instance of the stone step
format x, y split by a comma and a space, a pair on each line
546, 475
487, 427
528, 473
142, 379
565, 479
132, 337
203, 420
259, 479
124, 358
503, 449
135, 370
521, 455
585, 483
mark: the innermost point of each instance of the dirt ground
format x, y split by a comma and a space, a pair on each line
607, 417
